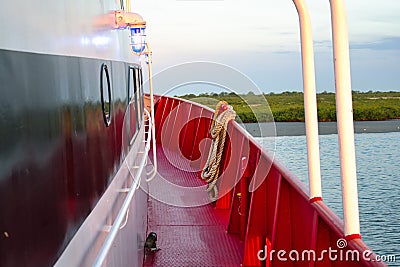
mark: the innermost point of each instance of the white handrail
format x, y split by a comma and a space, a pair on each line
153, 128
121, 214
310, 101
344, 111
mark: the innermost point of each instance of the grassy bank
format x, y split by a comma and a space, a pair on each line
289, 106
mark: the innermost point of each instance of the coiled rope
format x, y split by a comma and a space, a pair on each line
218, 128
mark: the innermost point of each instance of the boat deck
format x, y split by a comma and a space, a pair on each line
187, 236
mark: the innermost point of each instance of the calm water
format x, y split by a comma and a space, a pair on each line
378, 164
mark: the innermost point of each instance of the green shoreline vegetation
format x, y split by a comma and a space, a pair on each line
289, 106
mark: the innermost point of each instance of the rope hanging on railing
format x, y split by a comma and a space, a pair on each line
223, 114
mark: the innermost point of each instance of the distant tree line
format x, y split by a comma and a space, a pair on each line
289, 106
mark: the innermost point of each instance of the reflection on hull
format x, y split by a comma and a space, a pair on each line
57, 157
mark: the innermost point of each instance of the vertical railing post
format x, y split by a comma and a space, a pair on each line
310, 101
344, 111
153, 128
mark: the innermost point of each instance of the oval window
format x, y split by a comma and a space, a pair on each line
105, 92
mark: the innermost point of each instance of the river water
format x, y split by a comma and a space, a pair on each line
378, 172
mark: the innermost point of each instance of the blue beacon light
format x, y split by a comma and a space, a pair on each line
138, 39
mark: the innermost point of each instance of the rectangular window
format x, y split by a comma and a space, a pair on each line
138, 97
141, 94
135, 96
133, 110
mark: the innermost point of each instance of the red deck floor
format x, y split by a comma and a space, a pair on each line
188, 236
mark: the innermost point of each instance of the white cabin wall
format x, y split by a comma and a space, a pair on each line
63, 28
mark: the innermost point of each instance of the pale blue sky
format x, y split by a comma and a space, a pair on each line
261, 39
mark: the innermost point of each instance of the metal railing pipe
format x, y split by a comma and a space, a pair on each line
310, 101
153, 128
344, 111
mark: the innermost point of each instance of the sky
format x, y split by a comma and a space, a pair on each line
261, 39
